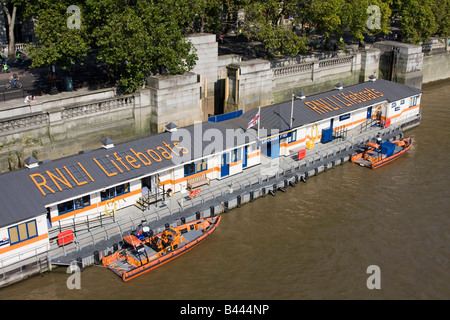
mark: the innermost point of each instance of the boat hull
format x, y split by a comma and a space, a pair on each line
130, 273
379, 163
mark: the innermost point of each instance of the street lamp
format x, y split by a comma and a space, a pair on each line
301, 96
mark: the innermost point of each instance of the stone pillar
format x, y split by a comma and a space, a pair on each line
174, 98
249, 85
206, 67
370, 64
404, 61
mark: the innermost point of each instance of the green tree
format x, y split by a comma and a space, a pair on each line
58, 44
355, 18
417, 20
441, 10
134, 38
325, 16
264, 22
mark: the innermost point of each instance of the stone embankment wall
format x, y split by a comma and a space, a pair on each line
58, 126
436, 60
65, 124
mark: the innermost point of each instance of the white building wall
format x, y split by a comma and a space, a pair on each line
10, 254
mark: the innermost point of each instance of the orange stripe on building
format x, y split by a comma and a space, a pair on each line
170, 181
24, 243
95, 205
293, 143
405, 110
235, 163
255, 154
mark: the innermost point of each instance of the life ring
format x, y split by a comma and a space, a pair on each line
314, 137
192, 193
169, 193
106, 207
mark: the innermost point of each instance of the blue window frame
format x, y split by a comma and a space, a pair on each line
195, 167
236, 155
292, 136
82, 202
22, 232
115, 191
414, 101
65, 207
74, 204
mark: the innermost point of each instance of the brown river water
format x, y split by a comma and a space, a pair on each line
314, 242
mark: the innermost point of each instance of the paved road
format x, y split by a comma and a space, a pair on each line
36, 81
31, 83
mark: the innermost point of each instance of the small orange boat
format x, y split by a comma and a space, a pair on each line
378, 154
144, 251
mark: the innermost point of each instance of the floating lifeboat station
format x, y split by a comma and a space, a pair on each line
78, 209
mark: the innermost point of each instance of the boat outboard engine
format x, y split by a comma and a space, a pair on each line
145, 231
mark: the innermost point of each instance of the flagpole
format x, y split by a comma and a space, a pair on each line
259, 119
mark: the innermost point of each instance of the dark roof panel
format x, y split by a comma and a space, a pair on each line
325, 105
24, 193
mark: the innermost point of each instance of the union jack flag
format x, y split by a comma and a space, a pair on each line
254, 121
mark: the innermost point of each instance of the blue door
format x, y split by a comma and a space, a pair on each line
244, 160
269, 149
274, 149
369, 112
225, 166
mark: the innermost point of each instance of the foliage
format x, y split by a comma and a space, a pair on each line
418, 21
441, 10
263, 22
134, 38
138, 37
355, 17
58, 45
325, 16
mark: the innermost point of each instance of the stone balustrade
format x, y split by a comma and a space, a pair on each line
25, 122
98, 107
293, 69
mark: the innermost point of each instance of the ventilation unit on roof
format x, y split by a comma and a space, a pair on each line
373, 78
171, 127
339, 86
107, 143
31, 162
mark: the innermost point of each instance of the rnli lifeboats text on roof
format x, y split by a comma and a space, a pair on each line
340, 100
111, 165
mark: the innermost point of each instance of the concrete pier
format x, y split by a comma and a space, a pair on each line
97, 238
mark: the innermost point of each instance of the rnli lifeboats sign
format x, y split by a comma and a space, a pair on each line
67, 177
341, 100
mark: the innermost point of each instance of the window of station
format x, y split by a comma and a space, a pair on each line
115, 191
414, 101
82, 202
292, 136
236, 155
22, 232
195, 167
74, 204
